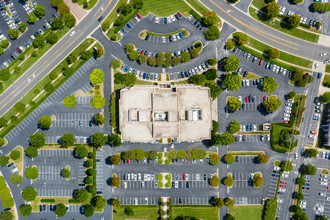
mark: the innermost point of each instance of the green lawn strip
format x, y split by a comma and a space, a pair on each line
293, 32
276, 129
246, 153
111, 17
91, 4
327, 68
198, 6
199, 212
260, 55
246, 212
26, 64
164, 8
30, 95
278, 184
140, 212
277, 163
181, 82
283, 56
5, 194
259, 3
129, 17
168, 34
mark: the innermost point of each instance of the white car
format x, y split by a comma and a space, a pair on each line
324, 183
33, 37
322, 194
286, 115
157, 20
316, 114
287, 108
240, 98
128, 177
125, 185
288, 104
316, 66
311, 136
176, 184
137, 19
190, 17
287, 111
169, 20
286, 119
135, 201
72, 33
328, 198
247, 82
254, 127
163, 40
172, 17
146, 201
282, 190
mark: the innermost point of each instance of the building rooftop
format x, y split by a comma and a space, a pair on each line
149, 113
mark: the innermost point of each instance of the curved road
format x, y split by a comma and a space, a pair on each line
266, 34
54, 56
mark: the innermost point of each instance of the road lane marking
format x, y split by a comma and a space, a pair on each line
104, 9
256, 31
38, 73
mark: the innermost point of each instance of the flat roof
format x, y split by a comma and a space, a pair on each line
148, 113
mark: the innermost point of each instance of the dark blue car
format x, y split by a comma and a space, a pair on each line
181, 35
129, 26
144, 75
186, 74
126, 69
165, 20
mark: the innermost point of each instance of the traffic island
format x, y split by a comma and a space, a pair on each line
164, 180
257, 180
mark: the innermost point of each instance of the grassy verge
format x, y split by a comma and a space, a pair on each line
326, 81
91, 3
205, 213
327, 68
249, 212
259, 3
282, 27
277, 163
28, 98
198, 6
140, 212
247, 153
283, 56
26, 64
19, 162
168, 34
278, 184
181, 82
164, 8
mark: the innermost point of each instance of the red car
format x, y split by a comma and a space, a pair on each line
19, 50
178, 13
128, 161
281, 185
313, 132
260, 62
142, 51
138, 15
281, 182
184, 176
265, 98
246, 98
285, 182
284, 186
286, 122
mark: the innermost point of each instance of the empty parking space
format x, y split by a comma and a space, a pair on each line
73, 119
52, 173
55, 153
245, 159
252, 138
241, 180
99, 170
55, 192
253, 200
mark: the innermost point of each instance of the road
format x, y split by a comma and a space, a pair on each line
264, 33
54, 56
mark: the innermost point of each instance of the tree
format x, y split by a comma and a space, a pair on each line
66, 173
4, 160
185, 57
49, 87
89, 210
29, 193
45, 122
227, 138
81, 195
212, 33
52, 38
218, 202
137, 4
25, 210
99, 52
115, 159
2, 141
125, 9
115, 181
69, 20
194, 53
57, 23
60, 210
272, 103
88, 163
129, 211
291, 95
230, 44
5, 43
286, 165
98, 202
71, 58
22, 27
232, 81
152, 61
67, 139
4, 74
229, 181
39, 11
115, 203
55, 3
70, 101
198, 79
215, 181
99, 139
143, 58
38, 139
229, 158
129, 47
325, 97
115, 64
321, 217
231, 63
173, 155
31, 151
98, 102
241, 38
263, 158
270, 84
16, 179
134, 55
209, 18
272, 10
81, 151
257, 181
63, 8
273, 53
181, 154
234, 103
298, 1
301, 181
293, 21
99, 119
32, 18
214, 159
311, 152
39, 41
234, 126
229, 216
6, 215
309, 169
299, 196
105, 25
15, 154
229, 202
114, 140
321, 7
32, 172
19, 107
211, 74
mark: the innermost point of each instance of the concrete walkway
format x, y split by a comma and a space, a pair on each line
76, 10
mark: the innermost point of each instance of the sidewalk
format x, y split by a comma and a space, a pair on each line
76, 10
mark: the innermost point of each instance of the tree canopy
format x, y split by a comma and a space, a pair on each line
81, 151
70, 101
229, 181
241, 38
215, 181
293, 21
272, 9
81, 195
39, 10
45, 122
286, 165
96, 76
272, 103
229, 158
209, 18
229, 202
16, 179
89, 210
60, 210
29, 193
233, 103
273, 53
325, 97
218, 202
115, 140
38, 139
234, 126
212, 33
31, 172
99, 139
231, 63
98, 202
67, 139
311, 152
309, 169
98, 102
232, 81
31, 151
270, 84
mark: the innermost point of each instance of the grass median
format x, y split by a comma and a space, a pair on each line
90, 4
327, 68
28, 98
250, 212
164, 8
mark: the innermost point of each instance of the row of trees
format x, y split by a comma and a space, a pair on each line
210, 20
301, 79
261, 158
128, 79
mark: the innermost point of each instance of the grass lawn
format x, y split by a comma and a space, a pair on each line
182, 82
277, 25
205, 213
91, 3
19, 161
327, 68
164, 7
140, 212
325, 171
198, 6
250, 212
168, 34
277, 163
283, 56
243, 153
326, 81
259, 3
276, 129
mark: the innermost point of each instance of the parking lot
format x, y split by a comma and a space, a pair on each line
51, 208
73, 119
